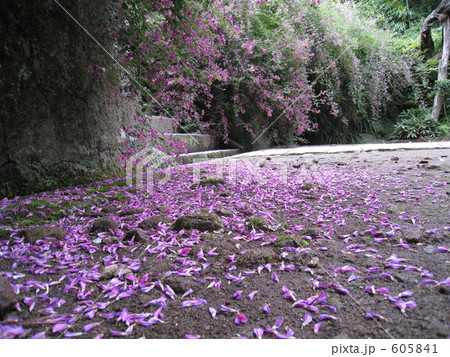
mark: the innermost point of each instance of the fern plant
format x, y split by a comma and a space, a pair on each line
416, 123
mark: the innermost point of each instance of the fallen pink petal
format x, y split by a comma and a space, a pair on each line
374, 316
307, 320
327, 317
402, 305
317, 327
89, 327
251, 296
213, 312
237, 294
192, 337
278, 323
259, 332
382, 291
330, 308
195, 302
59, 327
240, 319
428, 282
226, 309
340, 289
406, 293
442, 250
282, 336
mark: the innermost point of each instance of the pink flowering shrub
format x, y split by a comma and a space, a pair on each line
356, 68
243, 68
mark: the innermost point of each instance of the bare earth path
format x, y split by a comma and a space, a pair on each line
286, 244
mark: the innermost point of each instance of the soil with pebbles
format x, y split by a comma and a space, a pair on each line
356, 242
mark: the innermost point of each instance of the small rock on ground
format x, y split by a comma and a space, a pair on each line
130, 212
31, 235
414, 235
152, 222
137, 234
314, 262
429, 249
224, 212
201, 221
7, 295
256, 257
104, 224
93, 214
110, 209
112, 271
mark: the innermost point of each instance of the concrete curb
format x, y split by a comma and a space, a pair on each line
329, 149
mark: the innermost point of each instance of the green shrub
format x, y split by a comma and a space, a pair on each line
444, 128
416, 123
442, 87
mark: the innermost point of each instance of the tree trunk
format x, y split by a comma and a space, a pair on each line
433, 20
443, 67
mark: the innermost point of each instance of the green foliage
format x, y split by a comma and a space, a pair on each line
258, 223
42, 212
364, 73
308, 186
295, 71
104, 188
119, 197
442, 87
36, 204
119, 183
212, 181
36, 176
89, 163
444, 128
7, 190
416, 123
303, 243
403, 17
267, 20
4, 233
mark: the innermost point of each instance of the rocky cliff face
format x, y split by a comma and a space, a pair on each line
57, 126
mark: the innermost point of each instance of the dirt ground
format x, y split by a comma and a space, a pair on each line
323, 246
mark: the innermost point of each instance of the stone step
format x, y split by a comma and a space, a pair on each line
206, 155
162, 124
192, 142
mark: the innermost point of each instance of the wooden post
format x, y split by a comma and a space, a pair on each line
443, 66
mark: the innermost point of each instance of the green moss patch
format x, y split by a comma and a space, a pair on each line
208, 182
258, 223
4, 233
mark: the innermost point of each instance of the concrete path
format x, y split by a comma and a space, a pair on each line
328, 149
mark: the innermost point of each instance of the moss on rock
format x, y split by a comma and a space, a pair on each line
202, 221
258, 223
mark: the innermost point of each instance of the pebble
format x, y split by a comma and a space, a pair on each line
314, 262
112, 271
414, 235
7, 295
429, 249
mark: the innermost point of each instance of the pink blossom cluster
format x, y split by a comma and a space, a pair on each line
247, 65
